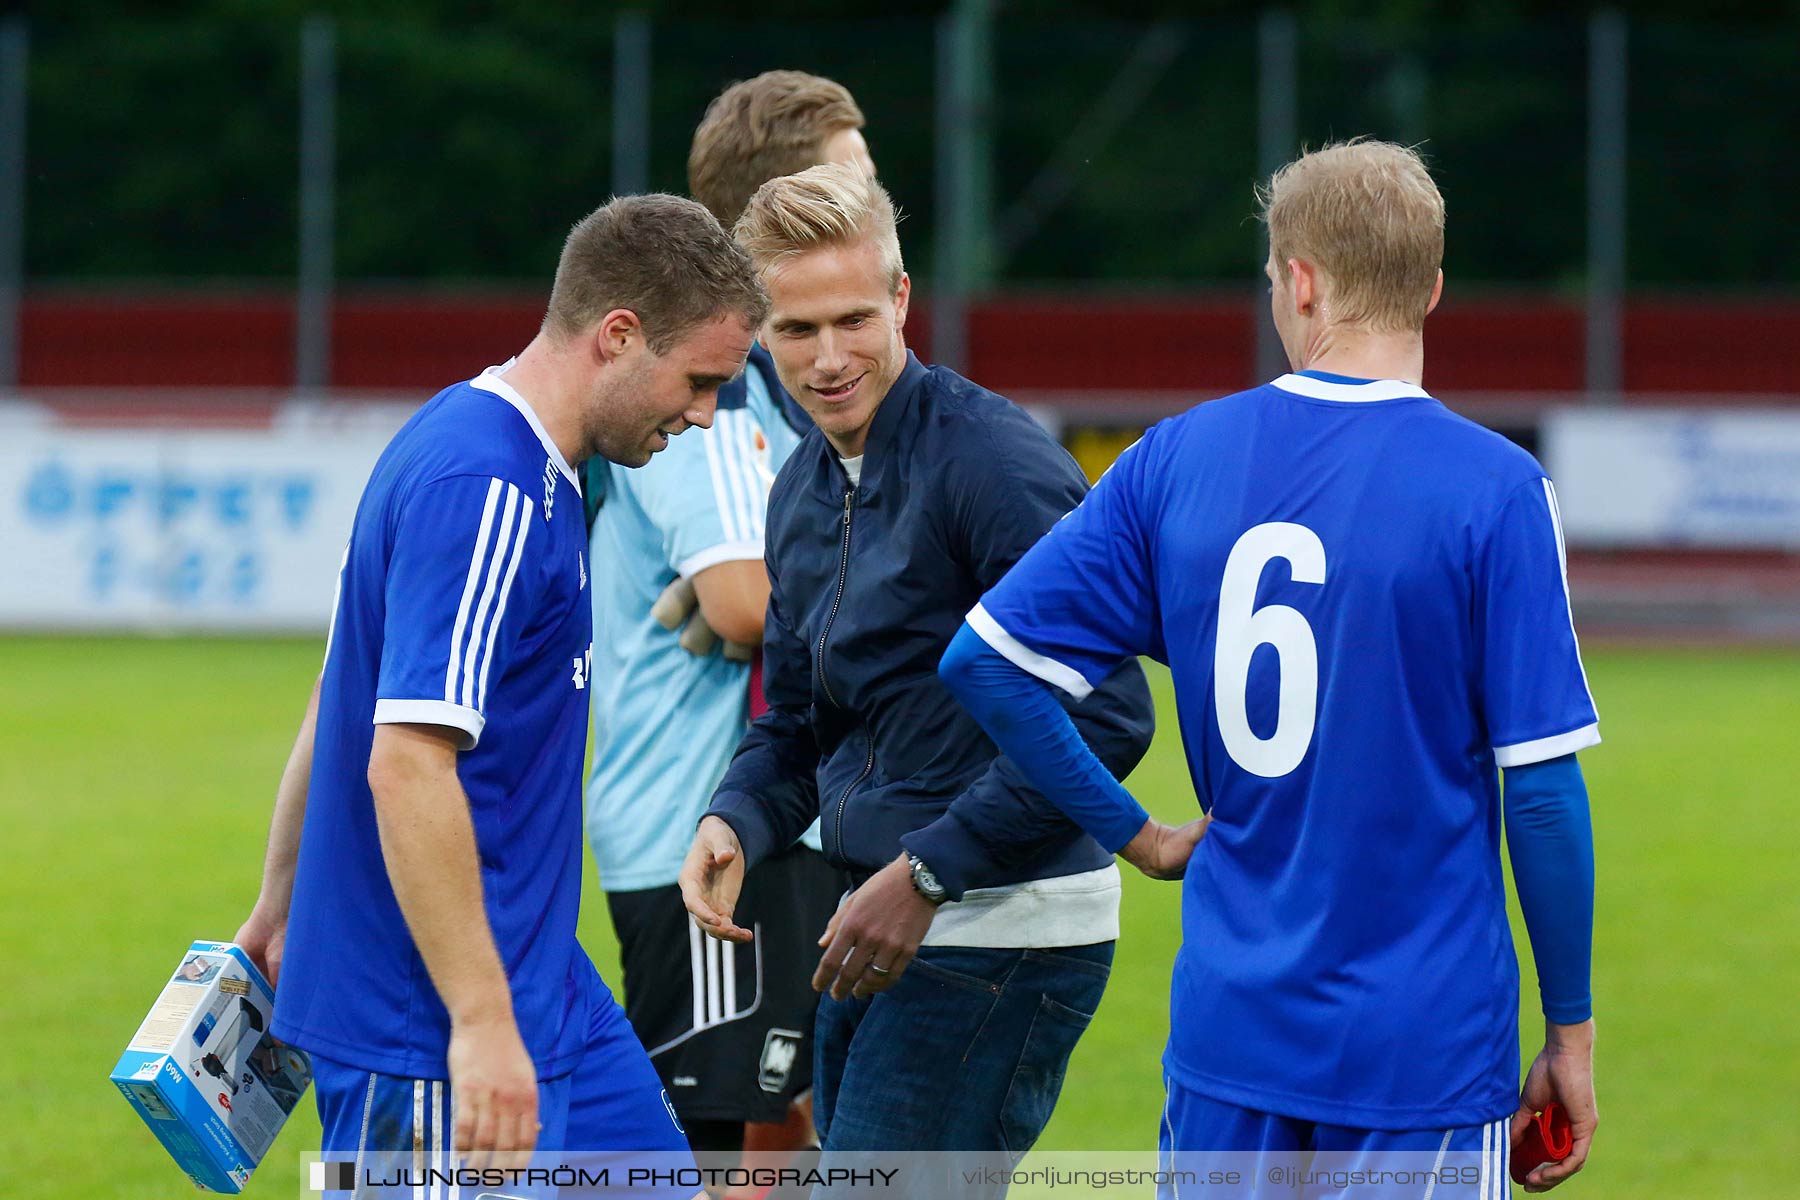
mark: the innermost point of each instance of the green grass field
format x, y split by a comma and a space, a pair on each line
136, 776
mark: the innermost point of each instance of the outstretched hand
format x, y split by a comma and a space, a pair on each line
712, 877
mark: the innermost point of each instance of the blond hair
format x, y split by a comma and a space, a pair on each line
662, 257
1368, 215
761, 129
833, 204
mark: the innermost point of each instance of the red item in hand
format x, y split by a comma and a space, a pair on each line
1547, 1139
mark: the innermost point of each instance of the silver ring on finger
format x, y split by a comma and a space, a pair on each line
875, 970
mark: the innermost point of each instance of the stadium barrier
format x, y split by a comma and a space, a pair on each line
1676, 477
227, 512
179, 526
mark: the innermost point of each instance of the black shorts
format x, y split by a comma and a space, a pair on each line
729, 1027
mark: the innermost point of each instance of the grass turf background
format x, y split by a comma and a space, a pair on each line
135, 784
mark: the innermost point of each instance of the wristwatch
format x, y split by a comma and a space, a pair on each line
925, 882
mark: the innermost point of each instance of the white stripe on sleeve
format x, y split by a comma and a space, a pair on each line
1016, 652
712, 556
1562, 561
716, 470
512, 569
1523, 754
477, 560
337, 597
432, 712
488, 588
762, 479
743, 437
726, 433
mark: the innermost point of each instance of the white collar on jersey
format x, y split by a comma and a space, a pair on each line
490, 381
1349, 393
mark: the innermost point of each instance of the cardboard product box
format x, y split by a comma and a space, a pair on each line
204, 1073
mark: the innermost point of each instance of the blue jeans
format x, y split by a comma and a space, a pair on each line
966, 1052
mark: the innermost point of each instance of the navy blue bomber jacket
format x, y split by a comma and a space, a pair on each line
867, 586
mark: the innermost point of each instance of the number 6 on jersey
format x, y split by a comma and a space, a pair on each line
1243, 627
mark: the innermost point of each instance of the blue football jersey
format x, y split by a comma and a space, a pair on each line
1361, 597
666, 722
463, 602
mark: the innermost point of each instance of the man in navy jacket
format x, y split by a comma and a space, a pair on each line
974, 950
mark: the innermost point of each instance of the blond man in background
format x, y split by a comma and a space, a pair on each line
729, 1029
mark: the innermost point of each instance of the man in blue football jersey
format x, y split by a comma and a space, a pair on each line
419, 896
729, 1032
1362, 599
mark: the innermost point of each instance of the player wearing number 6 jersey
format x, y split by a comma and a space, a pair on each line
1362, 599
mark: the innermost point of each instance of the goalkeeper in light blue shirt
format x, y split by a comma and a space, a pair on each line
1362, 599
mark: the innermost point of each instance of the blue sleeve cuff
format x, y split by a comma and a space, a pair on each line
1119, 827
1567, 1012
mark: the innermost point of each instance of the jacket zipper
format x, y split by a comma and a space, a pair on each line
825, 684
868, 765
836, 601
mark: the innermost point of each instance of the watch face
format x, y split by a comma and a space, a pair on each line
926, 882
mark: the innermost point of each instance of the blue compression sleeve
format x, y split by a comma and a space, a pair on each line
1552, 846
1023, 717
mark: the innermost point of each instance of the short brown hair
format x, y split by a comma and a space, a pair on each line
1369, 216
760, 129
832, 204
662, 257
